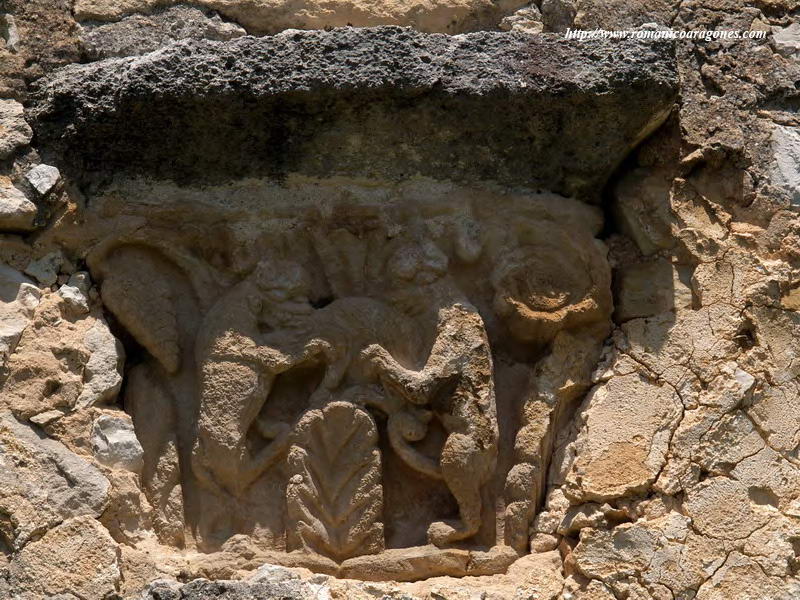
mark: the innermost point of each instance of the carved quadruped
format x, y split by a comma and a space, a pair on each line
342, 362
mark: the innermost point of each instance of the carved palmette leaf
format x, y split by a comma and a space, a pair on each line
334, 495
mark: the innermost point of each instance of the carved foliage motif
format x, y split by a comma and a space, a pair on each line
346, 382
334, 496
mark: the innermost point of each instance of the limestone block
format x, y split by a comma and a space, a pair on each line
43, 178
45, 269
115, 444
270, 16
622, 445
17, 213
43, 483
786, 150
14, 130
76, 293
19, 298
76, 559
787, 40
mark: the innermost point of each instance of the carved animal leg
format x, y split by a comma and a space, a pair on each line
212, 523
269, 430
215, 524
414, 386
373, 396
337, 360
280, 434
202, 471
461, 471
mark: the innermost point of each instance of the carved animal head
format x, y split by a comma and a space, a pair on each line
420, 263
284, 289
412, 426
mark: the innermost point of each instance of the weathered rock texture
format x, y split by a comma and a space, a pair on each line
268, 16
385, 313
515, 109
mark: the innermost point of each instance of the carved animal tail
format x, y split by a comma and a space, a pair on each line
375, 397
203, 474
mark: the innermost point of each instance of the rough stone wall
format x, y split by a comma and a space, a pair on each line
669, 465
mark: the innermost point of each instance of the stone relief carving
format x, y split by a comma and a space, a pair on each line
338, 376
334, 496
456, 381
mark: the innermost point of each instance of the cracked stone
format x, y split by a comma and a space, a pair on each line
741, 578
721, 508
43, 178
622, 446
786, 172
63, 362
51, 484
77, 558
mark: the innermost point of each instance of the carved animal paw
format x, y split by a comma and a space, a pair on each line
271, 430
376, 355
318, 346
442, 533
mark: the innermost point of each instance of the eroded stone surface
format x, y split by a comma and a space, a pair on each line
786, 174
75, 293
20, 299
647, 454
77, 559
518, 100
787, 39
43, 483
15, 131
623, 445
271, 368
62, 361
139, 34
115, 443
45, 268
17, 213
270, 16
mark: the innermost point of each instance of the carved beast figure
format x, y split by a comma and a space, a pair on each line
237, 371
238, 363
456, 381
